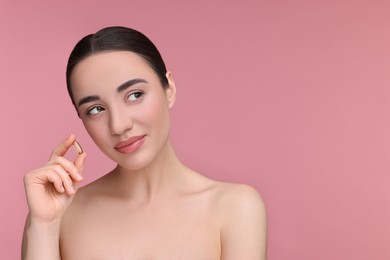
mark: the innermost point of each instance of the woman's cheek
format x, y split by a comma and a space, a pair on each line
94, 130
158, 118
153, 111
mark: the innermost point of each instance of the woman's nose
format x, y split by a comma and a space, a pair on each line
120, 122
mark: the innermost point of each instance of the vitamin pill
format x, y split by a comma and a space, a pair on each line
77, 147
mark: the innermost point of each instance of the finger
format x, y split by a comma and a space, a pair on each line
63, 147
56, 180
79, 162
69, 167
65, 178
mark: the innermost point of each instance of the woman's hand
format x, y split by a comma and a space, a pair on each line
51, 188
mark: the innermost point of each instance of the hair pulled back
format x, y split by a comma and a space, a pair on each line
116, 38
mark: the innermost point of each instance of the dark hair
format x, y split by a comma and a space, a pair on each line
116, 38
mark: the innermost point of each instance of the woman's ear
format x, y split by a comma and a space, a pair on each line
170, 90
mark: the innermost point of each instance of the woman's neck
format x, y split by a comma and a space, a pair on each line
160, 178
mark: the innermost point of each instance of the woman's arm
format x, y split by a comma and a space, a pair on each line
41, 240
49, 191
244, 227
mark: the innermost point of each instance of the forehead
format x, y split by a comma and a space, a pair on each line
110, 69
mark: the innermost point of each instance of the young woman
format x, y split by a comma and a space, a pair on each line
150, 206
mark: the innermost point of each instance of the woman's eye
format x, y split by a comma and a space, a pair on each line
95, 110
135, 95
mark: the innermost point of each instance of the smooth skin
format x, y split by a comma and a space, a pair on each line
50, 189
150, 206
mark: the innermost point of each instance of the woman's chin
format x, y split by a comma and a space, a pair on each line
132, 163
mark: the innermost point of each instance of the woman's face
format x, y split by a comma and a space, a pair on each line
123, 106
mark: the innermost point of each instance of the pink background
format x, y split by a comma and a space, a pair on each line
291, 97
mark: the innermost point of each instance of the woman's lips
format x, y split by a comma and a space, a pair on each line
130, 145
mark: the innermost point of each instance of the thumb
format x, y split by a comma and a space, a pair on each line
79, 162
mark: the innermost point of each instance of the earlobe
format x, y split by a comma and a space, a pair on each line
170, 90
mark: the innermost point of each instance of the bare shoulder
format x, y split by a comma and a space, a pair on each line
243, 220
232, 197
229, 196
85, 196
94, 187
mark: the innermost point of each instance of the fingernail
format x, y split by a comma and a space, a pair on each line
72, 189
79, 176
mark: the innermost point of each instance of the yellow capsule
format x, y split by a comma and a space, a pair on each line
77, 147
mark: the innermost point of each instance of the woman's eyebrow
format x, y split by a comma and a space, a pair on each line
129, 83
119, 89
87, 99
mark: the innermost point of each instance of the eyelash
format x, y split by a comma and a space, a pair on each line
88, 112
140, 93
135, 92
